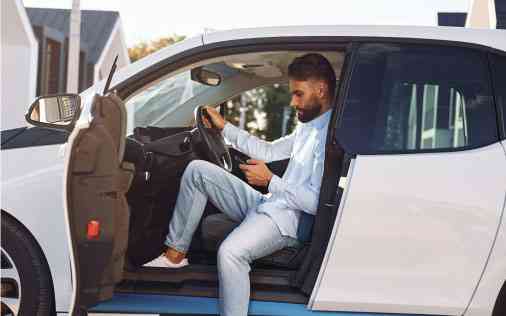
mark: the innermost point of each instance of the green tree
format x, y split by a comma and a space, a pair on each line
145, 48
267, 110
276, 106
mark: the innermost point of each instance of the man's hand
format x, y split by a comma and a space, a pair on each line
256, 172
216, 118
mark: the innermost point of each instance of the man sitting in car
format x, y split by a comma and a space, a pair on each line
269, 222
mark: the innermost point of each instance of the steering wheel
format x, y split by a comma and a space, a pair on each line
213, 142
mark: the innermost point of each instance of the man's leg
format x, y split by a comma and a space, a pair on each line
202, 181
257, 236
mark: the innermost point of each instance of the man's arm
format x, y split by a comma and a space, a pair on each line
257, 148
251, 145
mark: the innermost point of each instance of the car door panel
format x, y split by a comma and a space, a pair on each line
425, 197
407, 246
97, 211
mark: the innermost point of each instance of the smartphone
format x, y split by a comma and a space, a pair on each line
240, 159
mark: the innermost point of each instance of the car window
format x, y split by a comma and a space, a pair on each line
499, 76
153, 102
405, 98
264, 111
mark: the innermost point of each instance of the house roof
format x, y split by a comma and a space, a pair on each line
96, 26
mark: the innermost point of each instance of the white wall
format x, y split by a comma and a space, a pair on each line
481, 14
18, 67
115, 46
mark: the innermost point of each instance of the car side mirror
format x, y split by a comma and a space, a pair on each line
205, 76
54, 111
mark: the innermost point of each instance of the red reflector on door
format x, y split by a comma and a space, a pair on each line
93, 230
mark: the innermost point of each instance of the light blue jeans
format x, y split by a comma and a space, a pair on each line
257, 235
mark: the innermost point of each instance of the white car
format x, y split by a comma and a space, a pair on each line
411, 212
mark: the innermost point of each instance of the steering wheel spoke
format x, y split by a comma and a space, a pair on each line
213, 142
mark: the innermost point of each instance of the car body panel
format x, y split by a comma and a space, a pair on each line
490, 38
183, 305
494, 275
404, 236
32, 182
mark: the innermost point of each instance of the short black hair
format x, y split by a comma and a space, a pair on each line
313, 66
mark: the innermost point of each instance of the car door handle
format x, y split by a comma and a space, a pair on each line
61, 150
342, 182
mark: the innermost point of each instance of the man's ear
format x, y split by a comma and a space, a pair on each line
322, 89
318, 87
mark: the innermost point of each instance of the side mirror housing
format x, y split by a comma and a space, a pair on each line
55, 111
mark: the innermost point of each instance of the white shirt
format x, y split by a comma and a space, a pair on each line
299, 188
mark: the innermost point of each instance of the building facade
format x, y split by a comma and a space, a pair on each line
101, 40
34, 45
482, 13
19, 60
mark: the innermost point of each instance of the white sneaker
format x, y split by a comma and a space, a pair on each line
164, 262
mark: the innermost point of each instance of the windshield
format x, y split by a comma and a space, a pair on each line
152, 104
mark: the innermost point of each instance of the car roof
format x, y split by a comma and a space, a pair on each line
487, 37
491, 38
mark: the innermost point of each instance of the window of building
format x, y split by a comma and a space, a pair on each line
90, 70
406, 98
52, 62
499, 76
82, 71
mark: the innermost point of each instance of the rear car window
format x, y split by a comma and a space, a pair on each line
412, 98
499, 78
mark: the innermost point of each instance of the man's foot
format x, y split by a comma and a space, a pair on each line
174, 256
164, 262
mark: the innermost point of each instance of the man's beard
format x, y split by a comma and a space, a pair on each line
312, 112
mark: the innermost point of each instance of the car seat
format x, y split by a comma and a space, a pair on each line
216, 227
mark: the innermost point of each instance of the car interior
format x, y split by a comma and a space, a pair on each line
167, 133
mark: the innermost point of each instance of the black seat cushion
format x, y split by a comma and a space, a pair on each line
216, 227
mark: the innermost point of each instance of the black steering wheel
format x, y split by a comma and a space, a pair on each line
213, 142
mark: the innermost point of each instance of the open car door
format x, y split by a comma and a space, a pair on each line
97, 213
